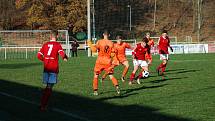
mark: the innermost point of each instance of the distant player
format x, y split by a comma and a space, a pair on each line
163, 45
139, 59
48, 54
151, 47
120, 57
105, 49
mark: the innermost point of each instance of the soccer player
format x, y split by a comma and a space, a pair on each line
139, 59
105, 49
48, 54
163, 45
151, 47
120, 57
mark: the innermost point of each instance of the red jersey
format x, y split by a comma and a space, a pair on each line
49, 55
140, 52
163, 44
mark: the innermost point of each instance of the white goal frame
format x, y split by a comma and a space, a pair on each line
5, 47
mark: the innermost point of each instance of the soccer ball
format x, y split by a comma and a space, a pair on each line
145, 74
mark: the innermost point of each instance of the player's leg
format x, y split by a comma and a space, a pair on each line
110, 72
97, 70
107, 72
95, 83
115, 83
144, 67
125, 71
132, 76
164, 58
49, 79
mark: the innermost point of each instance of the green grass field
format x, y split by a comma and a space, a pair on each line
187, 93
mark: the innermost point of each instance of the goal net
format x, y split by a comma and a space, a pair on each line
24, 44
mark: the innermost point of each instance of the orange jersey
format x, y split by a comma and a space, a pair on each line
105, 48
151, 42
120, 51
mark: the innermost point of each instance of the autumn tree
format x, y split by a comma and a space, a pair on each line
58, 14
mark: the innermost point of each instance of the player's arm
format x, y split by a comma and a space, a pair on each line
169, 45
134, 53
62, 53
40, 54
92, 46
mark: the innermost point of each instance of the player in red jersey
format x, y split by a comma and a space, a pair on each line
163, 45
120, 57
48, 54
139, 59
105, 50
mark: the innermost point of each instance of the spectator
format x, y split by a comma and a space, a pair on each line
75, 46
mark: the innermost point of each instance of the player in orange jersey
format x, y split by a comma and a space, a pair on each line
105, 49
120, 57
151, 47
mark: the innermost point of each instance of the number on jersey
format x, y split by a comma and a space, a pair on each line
50, 49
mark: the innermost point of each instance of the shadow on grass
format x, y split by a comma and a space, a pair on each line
128, 92
182, 71
179, 69
165, 78
16, 108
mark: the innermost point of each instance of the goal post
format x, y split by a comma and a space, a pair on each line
25, 44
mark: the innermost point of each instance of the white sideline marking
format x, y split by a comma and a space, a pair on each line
37, 104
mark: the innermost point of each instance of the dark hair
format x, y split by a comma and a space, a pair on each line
145, 40
54, 32
164, 31
147, 46
118, 37
106, 32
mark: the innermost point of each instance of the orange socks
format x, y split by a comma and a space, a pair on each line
95, 84
124, 71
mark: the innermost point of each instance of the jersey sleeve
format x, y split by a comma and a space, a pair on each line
40, 54
61, 52
127, 46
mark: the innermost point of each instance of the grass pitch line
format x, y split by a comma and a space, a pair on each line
53, 109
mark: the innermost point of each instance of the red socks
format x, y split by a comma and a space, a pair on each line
45, 97
162, 67
132, 76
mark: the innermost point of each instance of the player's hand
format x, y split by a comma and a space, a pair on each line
149, 62
89, 42
171, 49
65, 59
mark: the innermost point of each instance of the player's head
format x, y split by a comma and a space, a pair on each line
119, 39
54, 34
148, 35
106, 34
164, 33
144, 41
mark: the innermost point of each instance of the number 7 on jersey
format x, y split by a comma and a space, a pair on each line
50, 49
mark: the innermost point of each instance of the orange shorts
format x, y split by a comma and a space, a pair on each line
122, 59
100, 67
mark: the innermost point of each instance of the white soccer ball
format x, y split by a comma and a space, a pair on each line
145, 74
